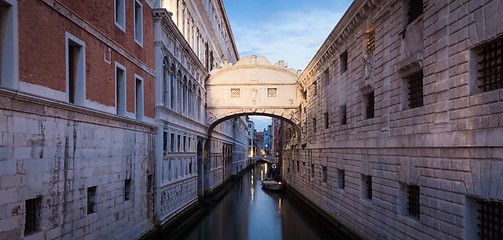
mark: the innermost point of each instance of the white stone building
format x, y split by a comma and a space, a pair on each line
191, 38
402, 121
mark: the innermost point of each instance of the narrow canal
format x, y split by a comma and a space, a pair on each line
249, 212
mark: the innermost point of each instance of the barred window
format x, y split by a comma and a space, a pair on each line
490, 219
414, 10
312, 170
413, 204
272, 92
371, 37
490, 65
235, 92
32, 217
415, 90
368, 186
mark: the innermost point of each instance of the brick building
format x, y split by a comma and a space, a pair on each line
402, 121
76, 119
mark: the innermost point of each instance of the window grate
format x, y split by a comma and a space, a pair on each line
371, 41
413, 200
416, 90
370, 105
491, 66
491, 220
344, 62
324, 169
368, 183
415, 10
32, 218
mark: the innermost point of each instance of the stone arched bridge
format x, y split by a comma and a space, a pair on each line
253, 86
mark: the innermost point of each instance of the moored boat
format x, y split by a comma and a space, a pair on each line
273, 185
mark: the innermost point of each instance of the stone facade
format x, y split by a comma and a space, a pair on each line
192, 161
400, 138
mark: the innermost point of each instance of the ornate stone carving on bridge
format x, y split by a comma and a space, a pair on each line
265, 89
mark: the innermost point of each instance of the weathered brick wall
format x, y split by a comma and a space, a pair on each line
55, 151
42, 57
450, 147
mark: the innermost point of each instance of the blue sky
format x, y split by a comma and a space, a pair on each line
282, 30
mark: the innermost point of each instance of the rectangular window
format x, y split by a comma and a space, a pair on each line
414, 10
366, 184
314, 124
414, 85
341, 175
272, 92
139, 97
75, 69
298, 166
344, 62
315, 88
487, 219
120, 14
369, 105
326, 78
91, 200
371, 38
179, 148
312, 170
150, 183
120, 89
184, 143
324, 173
235, 92
326, 120
165, 142
342, 115
127, 189
138, 22
489, 61
32, 216
9, 49
172, 142
413, 203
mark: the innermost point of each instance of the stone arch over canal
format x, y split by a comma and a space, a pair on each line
253, 86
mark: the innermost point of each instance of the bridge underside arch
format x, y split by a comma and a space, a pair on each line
275, 114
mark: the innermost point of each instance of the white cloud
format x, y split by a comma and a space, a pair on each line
261, 122
295, 37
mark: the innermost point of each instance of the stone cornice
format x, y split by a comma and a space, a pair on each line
345, 28
74, 111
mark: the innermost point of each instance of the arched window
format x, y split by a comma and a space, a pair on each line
165, 81
173, 86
